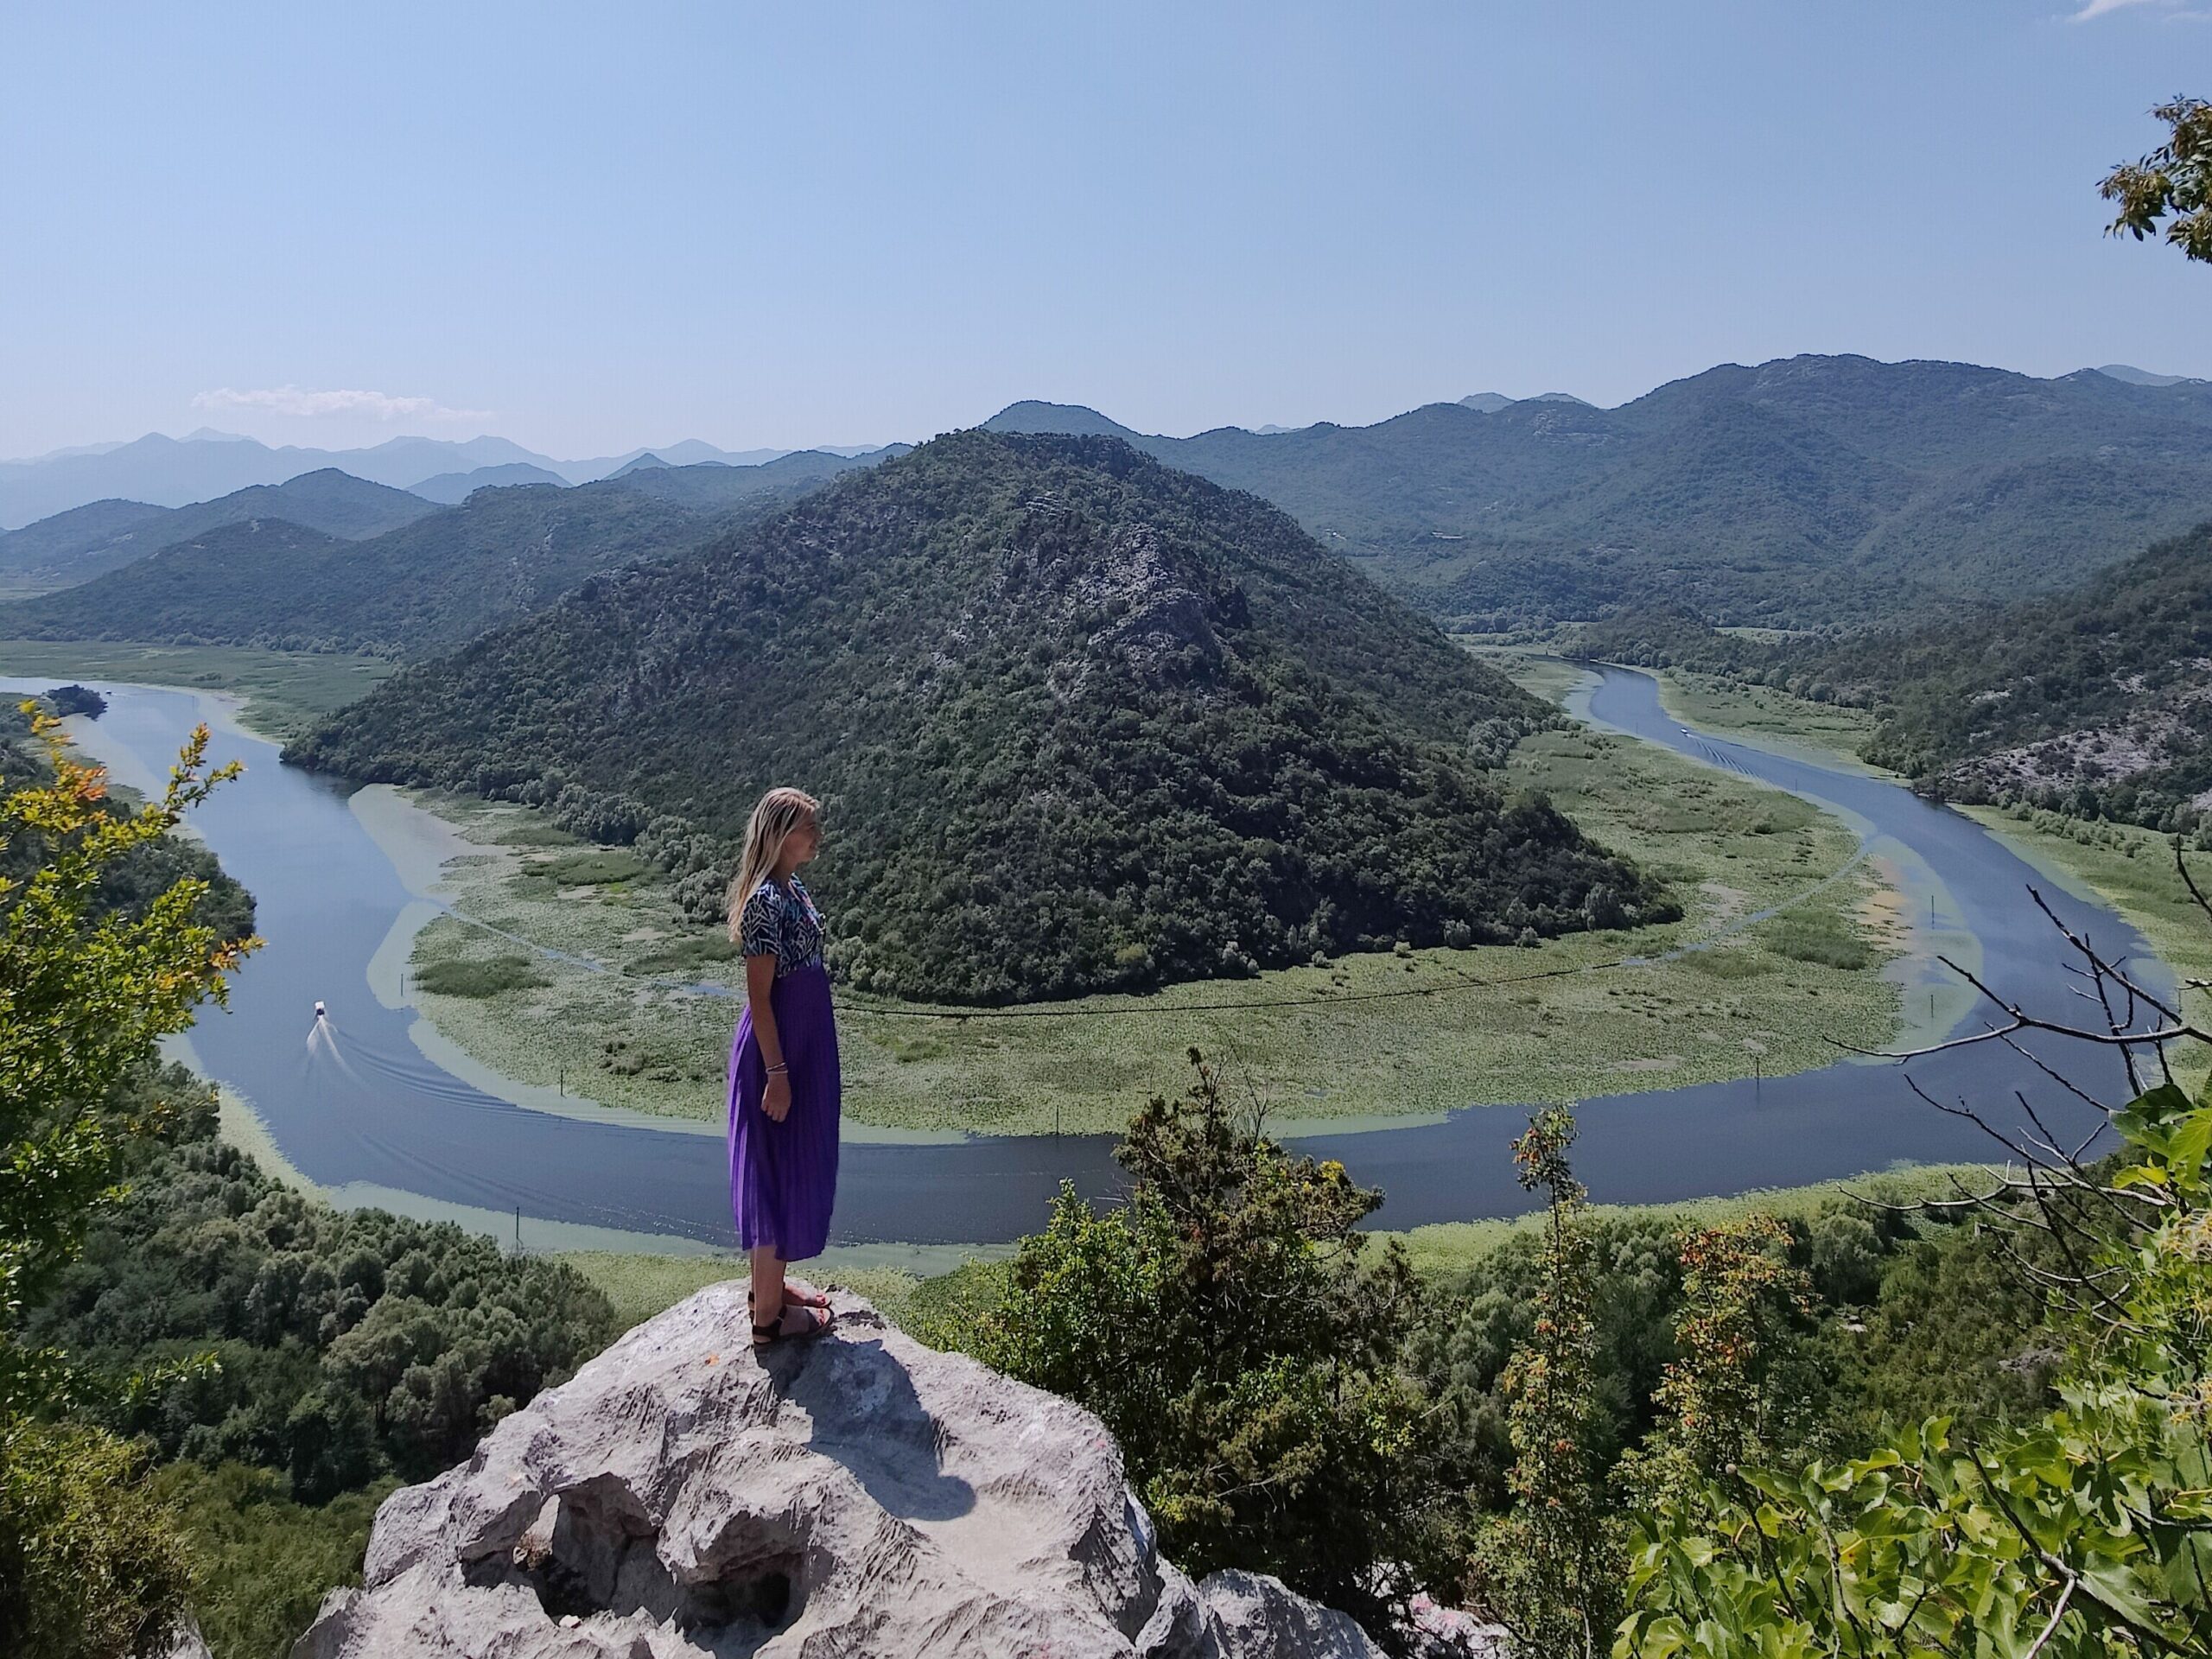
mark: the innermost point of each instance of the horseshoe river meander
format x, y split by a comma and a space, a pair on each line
371, 1117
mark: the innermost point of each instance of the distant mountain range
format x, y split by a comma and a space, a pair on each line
1079, 721
83, 542
173, 471
286, 575
1804, 492
450, 489
2135, 377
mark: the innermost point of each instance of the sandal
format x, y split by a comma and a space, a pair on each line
794, 1298
817, 1321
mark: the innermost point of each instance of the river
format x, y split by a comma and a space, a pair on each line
369, 1113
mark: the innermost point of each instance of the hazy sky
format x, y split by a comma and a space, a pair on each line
592, 227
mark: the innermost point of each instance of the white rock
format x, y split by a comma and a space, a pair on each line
857, 1494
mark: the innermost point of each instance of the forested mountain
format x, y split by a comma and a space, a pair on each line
415, 591
172, 472
2099, 701
1805, 491
77, 545
276, 580
1080, 721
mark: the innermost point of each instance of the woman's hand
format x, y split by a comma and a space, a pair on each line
776, 1099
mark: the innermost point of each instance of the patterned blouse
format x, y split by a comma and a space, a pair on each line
782, 924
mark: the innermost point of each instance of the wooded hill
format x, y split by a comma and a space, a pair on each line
417, 590
1079, 721
2097, 702
85, 542
1803, 491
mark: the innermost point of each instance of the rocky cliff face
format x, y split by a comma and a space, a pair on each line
857, 1494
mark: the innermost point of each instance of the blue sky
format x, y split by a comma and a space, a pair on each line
588, 227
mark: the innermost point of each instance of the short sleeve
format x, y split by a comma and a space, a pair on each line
758, 926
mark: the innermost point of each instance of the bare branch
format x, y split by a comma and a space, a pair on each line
2190, 881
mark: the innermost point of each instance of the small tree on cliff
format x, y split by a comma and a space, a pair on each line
1739, 1293
1551, 1569
1225, 1326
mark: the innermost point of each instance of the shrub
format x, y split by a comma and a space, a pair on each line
1224, 1324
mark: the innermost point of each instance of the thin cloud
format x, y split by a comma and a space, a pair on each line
299, 402
2101, 8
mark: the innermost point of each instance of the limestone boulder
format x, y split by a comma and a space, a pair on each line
856, 1494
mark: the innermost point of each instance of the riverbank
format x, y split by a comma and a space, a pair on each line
2127, 868
567, 969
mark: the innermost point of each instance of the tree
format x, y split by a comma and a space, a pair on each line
1224, 1325
2173, 183
1738, 1292
90, 1563
1550, 1570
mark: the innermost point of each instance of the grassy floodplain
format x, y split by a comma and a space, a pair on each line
2130, 869
284, 692
1824, 732
1374, 1036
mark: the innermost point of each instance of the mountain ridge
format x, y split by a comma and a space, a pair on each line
1727, 490
86, 542
178, 471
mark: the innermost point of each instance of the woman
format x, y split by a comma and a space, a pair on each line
783, 1084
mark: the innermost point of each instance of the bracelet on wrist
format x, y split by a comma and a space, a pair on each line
774, 1069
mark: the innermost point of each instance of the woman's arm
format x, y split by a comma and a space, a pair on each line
760, 981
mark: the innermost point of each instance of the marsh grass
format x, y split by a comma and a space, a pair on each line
284, 692
687, 957
479, 976
1817, 934
584, 866
1761, 714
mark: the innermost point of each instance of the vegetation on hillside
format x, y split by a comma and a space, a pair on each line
1225, 1324
1602, 1392
1080, 723
2093, 702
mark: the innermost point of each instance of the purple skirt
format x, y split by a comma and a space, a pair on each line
783, 1177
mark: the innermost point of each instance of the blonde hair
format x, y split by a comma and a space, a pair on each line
776, 817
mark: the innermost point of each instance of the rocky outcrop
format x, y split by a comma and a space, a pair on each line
860, 1494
